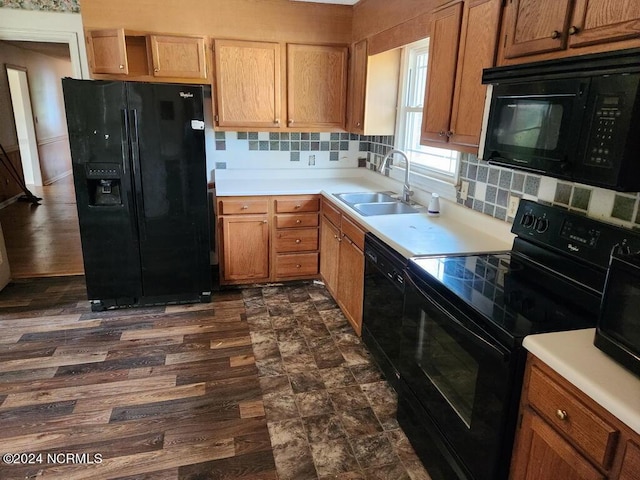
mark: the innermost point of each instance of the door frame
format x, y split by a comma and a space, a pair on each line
23, 117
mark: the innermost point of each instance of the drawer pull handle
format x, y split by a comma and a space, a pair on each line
298, 240
562, 414
298, 221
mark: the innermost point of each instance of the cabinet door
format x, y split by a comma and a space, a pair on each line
542, 454
245, 247
443, 56
175, 56
358, 87
478, 42
108, 51
248, 83
316, 86
329, 255
536, 26
351, 282
630, 463
601, 21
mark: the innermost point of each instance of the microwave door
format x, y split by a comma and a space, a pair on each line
535, 128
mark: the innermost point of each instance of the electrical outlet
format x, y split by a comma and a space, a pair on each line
464, 190
513, 206
312, 159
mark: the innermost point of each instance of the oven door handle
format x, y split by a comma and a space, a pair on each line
483, 342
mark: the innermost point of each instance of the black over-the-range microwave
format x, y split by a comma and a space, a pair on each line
576, 118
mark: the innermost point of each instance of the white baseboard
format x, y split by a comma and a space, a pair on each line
58, 177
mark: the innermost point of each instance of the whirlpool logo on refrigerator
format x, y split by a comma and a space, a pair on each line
186, 94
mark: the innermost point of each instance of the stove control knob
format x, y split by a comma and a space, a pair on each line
527, 220
542, 224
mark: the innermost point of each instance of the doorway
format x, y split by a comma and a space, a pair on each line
25, 127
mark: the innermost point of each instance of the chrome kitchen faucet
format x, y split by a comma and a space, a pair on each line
406, 189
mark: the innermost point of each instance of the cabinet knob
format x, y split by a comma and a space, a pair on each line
298, 221
298, 266
277, 121
449, 134
121, 67
264, 221
298, 206
290, 122
245, 207
335, 236
358, 124
573, 30
298, 240
441, 133
555, 34
562, 414
156, 70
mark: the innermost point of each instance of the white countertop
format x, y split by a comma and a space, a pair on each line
573, 355
457, 230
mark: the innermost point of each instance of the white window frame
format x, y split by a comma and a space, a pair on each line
430, 179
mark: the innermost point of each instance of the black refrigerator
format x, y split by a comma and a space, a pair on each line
138, 157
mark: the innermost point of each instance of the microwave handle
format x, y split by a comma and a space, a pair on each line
511, 165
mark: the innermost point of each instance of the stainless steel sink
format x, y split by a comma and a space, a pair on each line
374, 203
383, 208
364, 197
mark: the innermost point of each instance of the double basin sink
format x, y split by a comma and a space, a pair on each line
375, 203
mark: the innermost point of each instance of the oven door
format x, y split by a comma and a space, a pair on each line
535, 126
461, 377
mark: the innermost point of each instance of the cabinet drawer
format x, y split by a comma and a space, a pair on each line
294, 205
292, 220
331, 212
571, 417
298, 240
353, 231
235, 206
296, 264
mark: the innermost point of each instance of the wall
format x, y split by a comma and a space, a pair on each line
44, 73
268, 20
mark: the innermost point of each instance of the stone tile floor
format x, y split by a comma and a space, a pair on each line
329, 411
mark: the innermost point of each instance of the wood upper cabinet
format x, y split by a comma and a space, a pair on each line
463, 43
358, 87
316, 86
535, 26
373, 91
563, 434
248, 83
178, 56
108, 51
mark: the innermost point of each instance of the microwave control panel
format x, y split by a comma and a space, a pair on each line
601, 145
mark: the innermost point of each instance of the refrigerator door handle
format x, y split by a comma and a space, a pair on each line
125, 141
137, 172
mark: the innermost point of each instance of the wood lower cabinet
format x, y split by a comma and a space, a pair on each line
463, 43
245, 248
267, 238
563, 434
563, 27
342, 262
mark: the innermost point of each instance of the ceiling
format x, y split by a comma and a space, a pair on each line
336, 2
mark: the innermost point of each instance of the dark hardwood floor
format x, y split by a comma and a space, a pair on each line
262, 383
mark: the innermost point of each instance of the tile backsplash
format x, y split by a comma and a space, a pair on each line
490, 188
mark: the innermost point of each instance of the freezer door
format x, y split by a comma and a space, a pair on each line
168, 155
98, 127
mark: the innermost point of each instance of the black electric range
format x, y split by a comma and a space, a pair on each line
465, 316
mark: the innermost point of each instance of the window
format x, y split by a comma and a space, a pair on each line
428, 161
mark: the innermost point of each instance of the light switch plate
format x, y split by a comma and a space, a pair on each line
513, 206
464, 190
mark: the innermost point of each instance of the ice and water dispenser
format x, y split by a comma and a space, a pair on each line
104, 184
